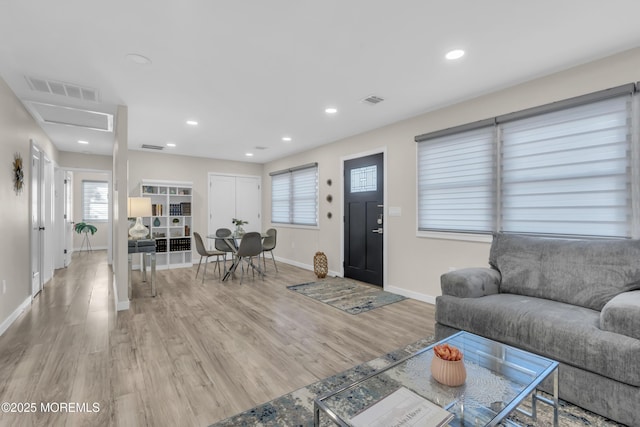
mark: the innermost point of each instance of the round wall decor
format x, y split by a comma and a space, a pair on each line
18, 173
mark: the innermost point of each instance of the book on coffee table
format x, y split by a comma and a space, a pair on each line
402, 408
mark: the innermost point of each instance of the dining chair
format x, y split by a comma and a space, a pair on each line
268, 245
221, 243
250, 246
205, 253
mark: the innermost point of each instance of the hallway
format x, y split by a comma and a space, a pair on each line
58, 350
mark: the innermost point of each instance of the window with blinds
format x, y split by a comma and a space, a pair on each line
455, 182
567, 172
560, 169
294, 196
95, 201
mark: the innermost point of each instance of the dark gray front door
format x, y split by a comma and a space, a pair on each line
363, 221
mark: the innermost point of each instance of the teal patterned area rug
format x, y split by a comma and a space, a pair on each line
296, 408
347, 295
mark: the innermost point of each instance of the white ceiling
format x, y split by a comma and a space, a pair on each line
251, 72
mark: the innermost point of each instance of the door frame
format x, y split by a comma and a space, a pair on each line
48, 221
36, 238
109, 178
385, 241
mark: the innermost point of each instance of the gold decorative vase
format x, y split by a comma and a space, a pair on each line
320, 265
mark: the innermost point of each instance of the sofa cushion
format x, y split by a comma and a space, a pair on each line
622, 315
587, 273
563, 332
470, 282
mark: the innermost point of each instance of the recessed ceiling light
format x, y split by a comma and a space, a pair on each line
248, 154
286, 138
83, 142
331, 110
454, 54
138, 59
171, 144
192, 122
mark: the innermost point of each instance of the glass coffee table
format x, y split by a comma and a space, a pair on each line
499, 379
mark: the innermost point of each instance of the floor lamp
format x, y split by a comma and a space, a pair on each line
138, 207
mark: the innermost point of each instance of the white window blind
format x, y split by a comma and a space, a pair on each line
294, 196
568, 172
95, 201
455, 182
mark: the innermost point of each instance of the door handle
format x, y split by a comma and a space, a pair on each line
377, 230
41, 228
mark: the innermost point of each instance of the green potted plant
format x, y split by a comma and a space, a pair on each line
83, 227
239, 223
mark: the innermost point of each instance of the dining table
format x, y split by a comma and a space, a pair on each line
233, 242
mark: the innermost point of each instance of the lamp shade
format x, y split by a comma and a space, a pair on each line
139, 206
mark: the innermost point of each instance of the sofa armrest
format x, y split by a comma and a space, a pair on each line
622, 315
470, 282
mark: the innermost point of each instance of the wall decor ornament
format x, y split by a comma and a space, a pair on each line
18, 173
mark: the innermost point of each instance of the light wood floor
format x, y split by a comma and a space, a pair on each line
194, 355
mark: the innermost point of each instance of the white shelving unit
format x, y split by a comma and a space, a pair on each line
171, 223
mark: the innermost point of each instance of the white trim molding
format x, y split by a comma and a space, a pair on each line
429, 299
120, 305
306, 266
13, 316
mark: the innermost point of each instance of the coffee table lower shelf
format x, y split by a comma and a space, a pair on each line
499, 379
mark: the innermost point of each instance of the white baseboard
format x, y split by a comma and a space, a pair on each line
430, 299
305, 266
13, 316
93, 248
120, 305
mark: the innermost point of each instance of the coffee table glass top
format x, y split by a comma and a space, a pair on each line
499, 378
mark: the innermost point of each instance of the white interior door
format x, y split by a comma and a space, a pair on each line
222, 202
68, 217
248, 201
36, 221
48, 218
234, 197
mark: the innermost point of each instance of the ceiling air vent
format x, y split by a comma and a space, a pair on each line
63, 89
152, 147
372, 100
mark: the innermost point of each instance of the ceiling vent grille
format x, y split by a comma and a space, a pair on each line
152, 147
372, 100
63, 89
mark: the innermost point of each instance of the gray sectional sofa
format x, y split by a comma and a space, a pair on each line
575, 301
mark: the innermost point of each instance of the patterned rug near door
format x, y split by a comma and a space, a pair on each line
347, 295
296, 408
